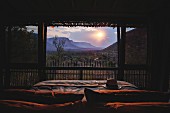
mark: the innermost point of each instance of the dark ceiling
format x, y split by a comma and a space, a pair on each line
53, 11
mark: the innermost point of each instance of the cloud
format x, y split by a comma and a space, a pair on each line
34, 28
86, 36
82, 34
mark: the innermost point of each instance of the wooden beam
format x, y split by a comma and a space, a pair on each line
41, 51
94, 4
73, 5
50, 4
11, 6
114, 4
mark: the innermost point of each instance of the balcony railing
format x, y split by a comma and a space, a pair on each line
82, 62
27, 76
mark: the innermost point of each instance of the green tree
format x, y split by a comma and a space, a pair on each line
23, 45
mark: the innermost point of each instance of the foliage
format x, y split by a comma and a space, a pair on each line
23, 45
84, 59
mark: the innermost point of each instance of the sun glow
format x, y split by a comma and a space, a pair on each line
100, 36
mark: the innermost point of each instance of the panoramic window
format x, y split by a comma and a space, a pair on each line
23, 44
81, 47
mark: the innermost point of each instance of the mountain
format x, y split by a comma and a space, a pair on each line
84, 45
70, 45
111, 48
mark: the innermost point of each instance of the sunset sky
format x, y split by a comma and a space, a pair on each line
97, 36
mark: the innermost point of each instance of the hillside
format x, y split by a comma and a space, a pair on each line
111, 48
70, 45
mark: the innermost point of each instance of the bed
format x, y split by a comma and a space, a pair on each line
83, 96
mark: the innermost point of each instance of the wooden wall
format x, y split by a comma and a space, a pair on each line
159, 50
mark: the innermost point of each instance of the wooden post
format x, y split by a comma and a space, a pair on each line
121, 47
119, 53
41, 51
165, 54
45, 41
2, 55
7, 58
149, 57
81, 74
155, 58
44, 52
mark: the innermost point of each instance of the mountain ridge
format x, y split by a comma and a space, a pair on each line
70, 45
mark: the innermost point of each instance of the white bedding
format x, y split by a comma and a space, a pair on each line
77, 86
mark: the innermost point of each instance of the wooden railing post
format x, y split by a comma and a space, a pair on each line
81, 74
